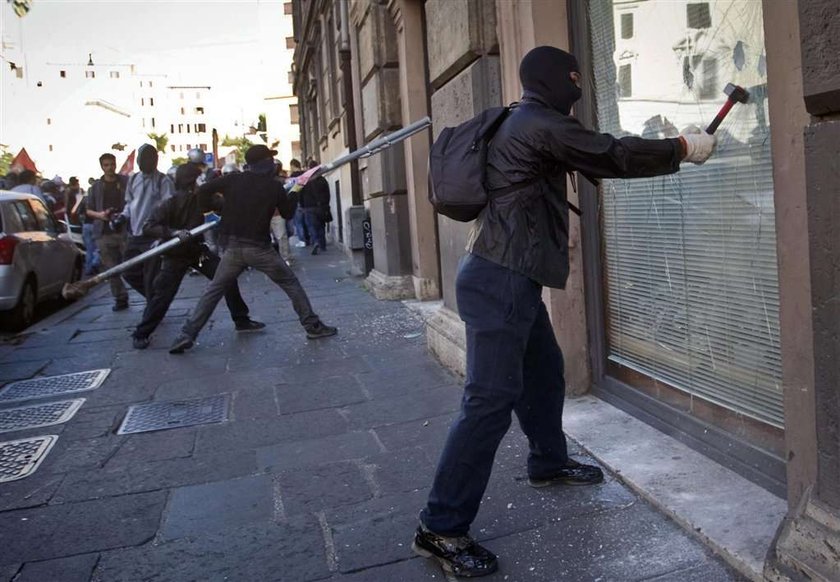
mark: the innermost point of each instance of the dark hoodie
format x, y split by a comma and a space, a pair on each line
250, 200
527, 230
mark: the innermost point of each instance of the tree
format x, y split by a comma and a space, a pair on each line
240, 143
161, 140
179, 161
6, 158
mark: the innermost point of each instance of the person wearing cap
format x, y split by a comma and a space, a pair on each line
175, 217
250, 199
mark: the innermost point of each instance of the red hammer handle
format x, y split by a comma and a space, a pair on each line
720, 116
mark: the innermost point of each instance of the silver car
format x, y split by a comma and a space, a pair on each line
36, 258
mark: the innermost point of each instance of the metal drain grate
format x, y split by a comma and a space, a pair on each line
19, 459
39, 415
53, 385
162, 415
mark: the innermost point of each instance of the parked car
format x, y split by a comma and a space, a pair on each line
36, 258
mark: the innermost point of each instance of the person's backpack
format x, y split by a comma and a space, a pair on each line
458, 166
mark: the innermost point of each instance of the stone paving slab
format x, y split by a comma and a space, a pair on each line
71, 569
65, 530
268, 552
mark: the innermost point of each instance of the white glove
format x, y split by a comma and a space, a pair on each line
699, 145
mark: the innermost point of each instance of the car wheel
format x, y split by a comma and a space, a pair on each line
21, 316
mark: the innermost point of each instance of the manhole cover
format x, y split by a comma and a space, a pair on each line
162, 415
19, 459
53, 385
38, 415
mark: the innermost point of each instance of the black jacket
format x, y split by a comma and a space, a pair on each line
527, 230
179, 212
316, 193
250, 199
96, 201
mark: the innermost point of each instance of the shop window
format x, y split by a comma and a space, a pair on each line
625, 81
698, 15
689, 269
627, 25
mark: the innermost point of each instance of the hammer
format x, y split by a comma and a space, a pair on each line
735, 94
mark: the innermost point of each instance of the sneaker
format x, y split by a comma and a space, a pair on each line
300, 244
320, 330
181, 343
573, 473
460, 556
141, 343
120, 305
249, 325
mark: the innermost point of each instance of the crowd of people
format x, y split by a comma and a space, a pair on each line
123, 216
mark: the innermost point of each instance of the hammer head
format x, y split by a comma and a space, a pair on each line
736, 93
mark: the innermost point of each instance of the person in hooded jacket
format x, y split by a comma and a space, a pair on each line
144, 191
518, 245
175, 217
250, 199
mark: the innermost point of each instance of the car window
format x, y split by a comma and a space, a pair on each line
10, 220
46, 221
26, 216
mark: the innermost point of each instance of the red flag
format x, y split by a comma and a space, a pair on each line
22, 162
128, 166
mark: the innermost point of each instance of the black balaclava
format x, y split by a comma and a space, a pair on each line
544, 72
147, 158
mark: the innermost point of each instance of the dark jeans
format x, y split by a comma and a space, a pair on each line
236, 259
141, 277
167, 283
513, 364
315, 225
300, 226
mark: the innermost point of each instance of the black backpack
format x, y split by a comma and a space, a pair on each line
458, 164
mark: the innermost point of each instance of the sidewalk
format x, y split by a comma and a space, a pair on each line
318, 474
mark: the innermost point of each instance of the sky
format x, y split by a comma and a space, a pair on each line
221, 43
230, 45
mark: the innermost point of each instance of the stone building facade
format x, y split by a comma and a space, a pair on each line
705, 304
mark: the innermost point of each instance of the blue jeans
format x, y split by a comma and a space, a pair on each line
92, 260
300, 226
315, 226
513, 365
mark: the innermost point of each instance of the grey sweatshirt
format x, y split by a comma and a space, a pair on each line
143, 193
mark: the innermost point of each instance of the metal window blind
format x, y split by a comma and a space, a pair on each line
690, 259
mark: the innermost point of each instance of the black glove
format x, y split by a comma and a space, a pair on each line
183, 235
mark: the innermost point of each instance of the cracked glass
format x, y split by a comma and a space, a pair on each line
691, 281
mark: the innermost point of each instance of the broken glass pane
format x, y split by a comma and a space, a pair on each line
690, 259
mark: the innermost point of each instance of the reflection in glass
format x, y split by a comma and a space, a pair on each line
690, 259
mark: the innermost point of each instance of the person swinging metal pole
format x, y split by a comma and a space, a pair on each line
80, 289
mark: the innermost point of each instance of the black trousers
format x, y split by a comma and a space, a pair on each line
141, 277
168, 282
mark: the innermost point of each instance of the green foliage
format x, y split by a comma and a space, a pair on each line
240, 143
6, 158
161, 140
179, 161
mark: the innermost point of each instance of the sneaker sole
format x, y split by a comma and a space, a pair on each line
180, 349
541, 484
446, 566
250, 330
320, 336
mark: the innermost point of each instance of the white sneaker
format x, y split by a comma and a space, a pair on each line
300, 244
